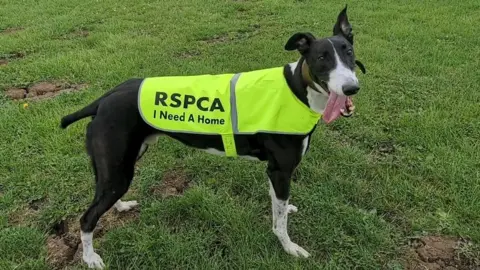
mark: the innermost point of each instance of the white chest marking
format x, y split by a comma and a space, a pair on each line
316, 101
305, 145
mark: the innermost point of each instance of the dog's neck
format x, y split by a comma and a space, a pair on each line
304, 87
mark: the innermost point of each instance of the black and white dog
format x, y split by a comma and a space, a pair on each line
117, 136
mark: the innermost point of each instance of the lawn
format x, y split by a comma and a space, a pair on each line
404, 167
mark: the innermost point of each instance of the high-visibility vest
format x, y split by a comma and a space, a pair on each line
225, 104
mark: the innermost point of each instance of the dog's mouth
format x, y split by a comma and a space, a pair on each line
336, 105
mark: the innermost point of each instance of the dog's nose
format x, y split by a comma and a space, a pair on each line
350, 89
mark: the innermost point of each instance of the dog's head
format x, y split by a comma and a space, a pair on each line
330, 63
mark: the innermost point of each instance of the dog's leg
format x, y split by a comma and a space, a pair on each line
123, 206
104, 200
113, 162
279, 193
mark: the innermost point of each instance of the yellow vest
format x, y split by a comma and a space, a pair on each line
226, 104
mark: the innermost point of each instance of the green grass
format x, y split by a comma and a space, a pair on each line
406, 164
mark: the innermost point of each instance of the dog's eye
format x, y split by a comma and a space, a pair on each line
349, 52
321, 57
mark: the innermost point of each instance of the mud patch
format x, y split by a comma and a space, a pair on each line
174, 183
441, 252
64, 245
11, 30
42, 90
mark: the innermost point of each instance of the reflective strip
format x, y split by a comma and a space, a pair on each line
228, 139
233, 103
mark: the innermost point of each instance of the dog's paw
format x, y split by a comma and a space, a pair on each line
296, 250
93, 260
292, 209
125, 206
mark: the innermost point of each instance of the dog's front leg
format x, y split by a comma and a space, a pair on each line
279, 192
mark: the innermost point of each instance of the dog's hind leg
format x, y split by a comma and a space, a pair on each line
113, 164
120, 205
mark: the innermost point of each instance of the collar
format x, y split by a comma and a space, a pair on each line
307, 78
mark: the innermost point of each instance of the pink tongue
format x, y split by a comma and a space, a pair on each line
334, 104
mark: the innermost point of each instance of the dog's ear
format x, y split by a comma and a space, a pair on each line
300, 42
361, 66
343, 27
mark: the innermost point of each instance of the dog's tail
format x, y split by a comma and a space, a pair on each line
89, 110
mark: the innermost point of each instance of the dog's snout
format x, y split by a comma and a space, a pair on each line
350, 89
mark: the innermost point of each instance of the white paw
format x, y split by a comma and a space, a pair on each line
296, 250
292, 209
125, 206
93, 260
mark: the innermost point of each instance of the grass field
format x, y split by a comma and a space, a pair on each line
406, 165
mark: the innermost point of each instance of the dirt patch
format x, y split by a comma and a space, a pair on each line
216, 39
42, 90
59, 254
11, 30
6, 58
386, 147
36, 204
187, 54
396, 218
441, 252
16, 93
23, 216
77, 33
174, 183
64, 245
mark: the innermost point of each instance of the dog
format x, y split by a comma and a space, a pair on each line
118, 135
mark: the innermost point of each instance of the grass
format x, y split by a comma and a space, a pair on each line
406, 164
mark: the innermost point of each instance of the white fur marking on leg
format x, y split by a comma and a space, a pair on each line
92, 259
280, 211
125, 206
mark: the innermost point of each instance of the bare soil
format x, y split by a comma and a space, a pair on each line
11, 30
441, 252
64, 244
174, 183
42, 90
